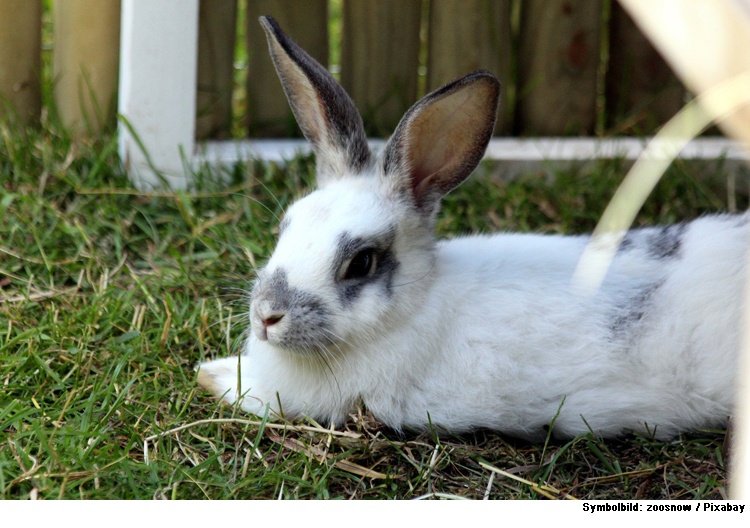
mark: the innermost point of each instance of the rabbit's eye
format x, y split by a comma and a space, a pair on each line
361, 265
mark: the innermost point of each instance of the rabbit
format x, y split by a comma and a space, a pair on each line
360, 303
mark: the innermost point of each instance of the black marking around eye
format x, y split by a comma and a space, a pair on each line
632, 311
309, 318
666, 241
386, 264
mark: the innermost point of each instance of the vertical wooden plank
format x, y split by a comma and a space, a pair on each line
20, 58
158, 74
380, 58
86, 56
217, 30
557, 66
642, 92
470, 35
268, 111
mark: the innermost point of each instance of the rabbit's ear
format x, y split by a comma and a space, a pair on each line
325, 113
441, 140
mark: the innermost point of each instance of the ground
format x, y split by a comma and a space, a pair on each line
110, 296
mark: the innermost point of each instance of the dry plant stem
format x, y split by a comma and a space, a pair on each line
286, 427
739, 476
705, 42
722, 101
136, 192
546, 491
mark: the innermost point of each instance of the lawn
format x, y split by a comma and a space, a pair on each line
110, 296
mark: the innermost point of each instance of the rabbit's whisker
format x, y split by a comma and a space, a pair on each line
432, 266
261, 204
247, 171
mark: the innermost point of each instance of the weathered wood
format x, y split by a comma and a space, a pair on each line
20, 58
268, 111
85, 64
642, 92
558, 64
380, 59
217, 30
470, 35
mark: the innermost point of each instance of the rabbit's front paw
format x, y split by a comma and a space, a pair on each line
220, 377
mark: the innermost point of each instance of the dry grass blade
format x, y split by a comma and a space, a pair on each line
38, 296
723, 99
546, 491
637, 473
136, 192
239, 421
321, 456
440, 496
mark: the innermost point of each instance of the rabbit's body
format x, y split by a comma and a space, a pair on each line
501, 337
359, 302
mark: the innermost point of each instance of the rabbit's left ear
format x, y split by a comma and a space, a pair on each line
324, 111
441, 140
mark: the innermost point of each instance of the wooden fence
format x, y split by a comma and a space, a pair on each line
568, 67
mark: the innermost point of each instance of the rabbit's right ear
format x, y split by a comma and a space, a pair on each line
441, 140
324, 111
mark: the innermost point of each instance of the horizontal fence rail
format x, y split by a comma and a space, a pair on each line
513, 157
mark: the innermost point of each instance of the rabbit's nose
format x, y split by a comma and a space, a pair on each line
271, 319
268, 314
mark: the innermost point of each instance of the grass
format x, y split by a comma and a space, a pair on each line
109, 297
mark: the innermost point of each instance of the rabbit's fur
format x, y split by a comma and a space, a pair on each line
481, 331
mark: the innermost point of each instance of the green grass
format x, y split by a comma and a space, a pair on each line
110, 296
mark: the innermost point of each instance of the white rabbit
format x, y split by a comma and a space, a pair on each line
361, 303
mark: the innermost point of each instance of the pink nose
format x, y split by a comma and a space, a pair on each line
271, 320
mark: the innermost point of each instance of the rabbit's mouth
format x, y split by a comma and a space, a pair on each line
298, 329
289, 318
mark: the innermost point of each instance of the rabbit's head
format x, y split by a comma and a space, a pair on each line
355, 256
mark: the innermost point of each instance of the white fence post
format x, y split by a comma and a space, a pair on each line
157, 95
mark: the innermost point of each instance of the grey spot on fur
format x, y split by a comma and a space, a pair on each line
632, 311
742, 220
386, 264
628, 241
666, 241
309, 319
658, 242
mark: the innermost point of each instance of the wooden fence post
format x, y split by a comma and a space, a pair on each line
268, 111
20, 58
158, 80
86, 57
558, 64
642, 92
470, 35
380, 58
217, 30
